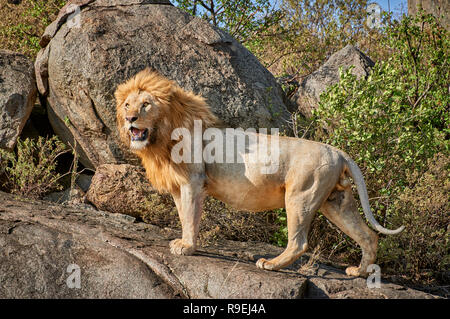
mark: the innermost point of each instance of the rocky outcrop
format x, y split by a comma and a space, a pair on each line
47, 251
308, 93
17, 95
86, 57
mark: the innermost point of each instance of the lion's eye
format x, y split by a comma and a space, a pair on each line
145, 105
127, 106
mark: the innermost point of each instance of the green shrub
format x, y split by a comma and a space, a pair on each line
252, 17
280, 238
392, 123
32, 171
422, 250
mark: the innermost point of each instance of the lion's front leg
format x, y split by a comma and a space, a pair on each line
189, 205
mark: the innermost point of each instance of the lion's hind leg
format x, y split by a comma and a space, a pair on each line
300, 211
340, 208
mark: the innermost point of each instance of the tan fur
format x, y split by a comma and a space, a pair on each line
310, 175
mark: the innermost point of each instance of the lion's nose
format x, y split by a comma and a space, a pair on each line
131, 119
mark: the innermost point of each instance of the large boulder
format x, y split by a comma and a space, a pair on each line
17, 95
308, 93
86, 56
45, 248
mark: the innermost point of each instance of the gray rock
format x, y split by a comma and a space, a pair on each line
72, 196
35, 261
329, 283
80, 68
84, 181
120, 258
69, 197
124, 189
58, 197
17, 95
308, 93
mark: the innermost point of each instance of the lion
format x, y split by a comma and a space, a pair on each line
309, 175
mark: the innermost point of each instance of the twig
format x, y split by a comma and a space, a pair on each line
228, 275
422, 96
307, 129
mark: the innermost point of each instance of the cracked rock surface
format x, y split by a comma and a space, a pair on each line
121, 258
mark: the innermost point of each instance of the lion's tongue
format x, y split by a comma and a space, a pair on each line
137, 132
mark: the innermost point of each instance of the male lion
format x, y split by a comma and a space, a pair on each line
309, 176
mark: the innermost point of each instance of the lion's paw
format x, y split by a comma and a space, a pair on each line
265, 264
177, 247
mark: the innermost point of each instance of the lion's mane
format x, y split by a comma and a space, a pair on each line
179, 109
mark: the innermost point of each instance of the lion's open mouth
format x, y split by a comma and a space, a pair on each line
138, 135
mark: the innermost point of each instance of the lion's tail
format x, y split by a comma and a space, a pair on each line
364, 197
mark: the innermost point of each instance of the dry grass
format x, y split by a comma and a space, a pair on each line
311, 265
222, 222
